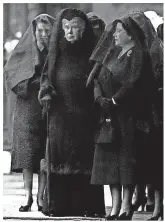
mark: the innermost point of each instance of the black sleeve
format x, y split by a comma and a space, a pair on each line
156, 53
45, 85
22, 89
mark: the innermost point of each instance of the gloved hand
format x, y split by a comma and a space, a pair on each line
105, 103
44, 91
44, 99
45, 102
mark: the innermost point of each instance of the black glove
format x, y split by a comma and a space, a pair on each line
45, 102
105, 103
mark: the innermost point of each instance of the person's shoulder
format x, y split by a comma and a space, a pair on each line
155, 47
138, 52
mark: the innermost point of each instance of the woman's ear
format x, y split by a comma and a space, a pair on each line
81, 32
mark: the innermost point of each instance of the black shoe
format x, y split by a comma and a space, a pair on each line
126, 216
112, 217
27, 207
52, 214
156, 217
159, 216
140, 203
39, 206
150, 208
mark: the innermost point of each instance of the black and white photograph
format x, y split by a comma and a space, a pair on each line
83, 111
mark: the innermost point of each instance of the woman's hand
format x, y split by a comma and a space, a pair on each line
105, 103
45, 102
44, 98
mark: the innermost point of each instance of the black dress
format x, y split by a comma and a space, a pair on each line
71, 141
116, 163
154, 167
71, 124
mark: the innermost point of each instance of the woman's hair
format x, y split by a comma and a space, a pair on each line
160, 30
42, 19
132, 29
126, 28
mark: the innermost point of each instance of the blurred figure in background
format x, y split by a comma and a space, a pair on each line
155, 19
22, 72
155, 160
142, 135
97, 23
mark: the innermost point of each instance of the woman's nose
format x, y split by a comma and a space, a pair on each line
44, 34
70, 30
114, 34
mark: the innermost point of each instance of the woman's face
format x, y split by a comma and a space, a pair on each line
43, 33
73, 29
98, 31
121, 36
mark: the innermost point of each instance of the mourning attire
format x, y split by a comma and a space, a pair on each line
71, 124
23, 72
124, 79
98, 25
146, 25
155, 161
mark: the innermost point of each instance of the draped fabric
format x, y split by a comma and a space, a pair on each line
124, 79
98, 24
25, 57
57, 33
156, 155
71, 128
146, 25
106, 44
23, 73
66, 71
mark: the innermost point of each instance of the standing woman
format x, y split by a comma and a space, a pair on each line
23, 71
120, 76
71, 125
98, 25
155, 171
142, 135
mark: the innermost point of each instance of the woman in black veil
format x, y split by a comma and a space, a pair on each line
71, 123
140, 198
122, 89
23, 73
154, 46
155, 160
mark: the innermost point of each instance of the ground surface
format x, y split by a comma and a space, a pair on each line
13, 193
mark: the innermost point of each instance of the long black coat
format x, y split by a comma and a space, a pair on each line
71, 123
70, 128
154, 167
124, 80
